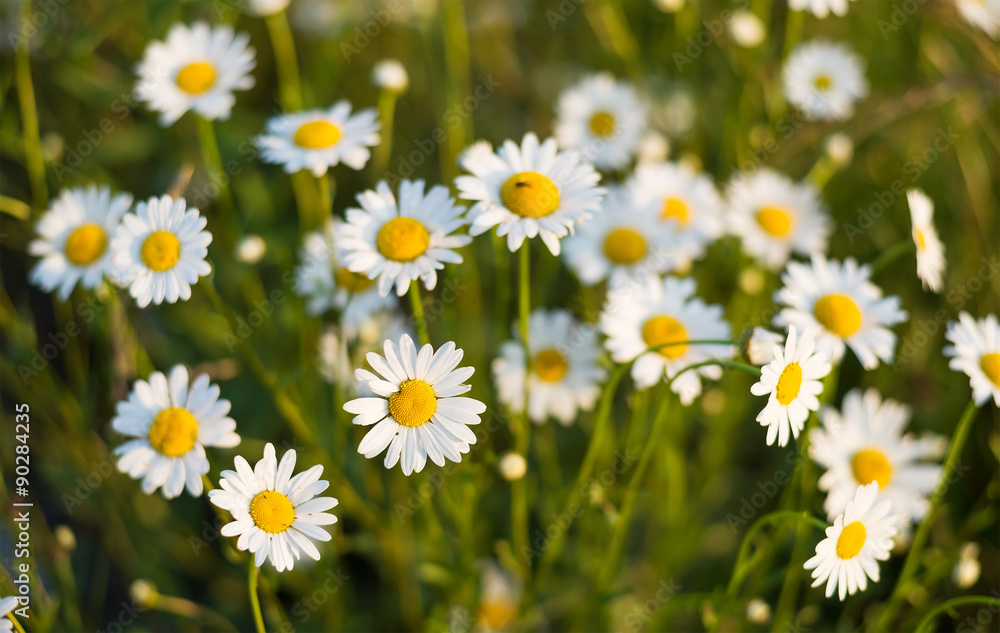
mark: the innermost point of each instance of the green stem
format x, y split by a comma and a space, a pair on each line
524, 294
725, 364
29, 117
258, 618
417, 304
741, 568
213, 161
386, 115
891, 254
457, 63
928, 620
325, 200
289, 87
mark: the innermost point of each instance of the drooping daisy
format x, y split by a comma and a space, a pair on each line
417, 405
864, 442
399, 243
529, 190
160, 250
564, 376
775, 217
843, 306
172, 423
930, 250
639, 317
74, 236
820, 8
824, 80
277, 515
196, 68
975, 350
7, 605
858, 538
982, 14
603, 119
319, 139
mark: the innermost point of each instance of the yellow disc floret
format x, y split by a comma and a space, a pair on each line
838, 314
871, 465
775, 221
174, 432
86, 244
676, 209
196, 78
990, 364
161, 250
272, 511
352, 282
624, 246
851, 540
664, 329
413, 404
602, 124
789, 383
530, 195
822, 82
317, 135
550, 365
403, 239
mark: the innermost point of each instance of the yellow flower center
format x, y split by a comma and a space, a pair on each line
550, 365
602, 124
918, 237
530, 195
196, 78
161, 250
86, 244
272, 511
775, 221
317, 135
413, 404
663, 329
990, 364
676, 209
174, 432
851, 540
839, 314
789, 383
871, 465
351, 281
497, 613
403, 239
624, 246
822, 82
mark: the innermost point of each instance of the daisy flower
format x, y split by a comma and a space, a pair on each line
529, 190
319, 139
820, 8
864, 442
824, 80
857, 539
775, 217
652, 312
975, 350
417, 405
757, 345
160, 250
843, 306
982, 14
564, 377
266, 8
390, 75
603, 119
277, 515
399, 243
74, 237
197, 68
930, 251
172, 422
7, 605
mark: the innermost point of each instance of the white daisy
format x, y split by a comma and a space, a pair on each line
74, 237
529, 190
7, 605
982, 14
603, 119
417, 405
160, 250
197, 68
390, 75
402, 242
757, 345
565, 375
975, 350
775, 217
652, 312
930, 250
319, 139
844, 307
858, 538
172, 423
747, 29
820, 8
266, 8
824, 80
277, 514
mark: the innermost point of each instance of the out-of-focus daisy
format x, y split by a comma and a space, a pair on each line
74, 236
649, 313
653, 148
747, 29
266, 8
529, 190
564, 376
824, 80
858, 538
390, 75
967, 568
277, 515
864, 442
982, 14
757, 345
402, 242
975, 350
603, 119
499, 597
840, 148
792, 382
844, 307
820, 8
512, 466
776, 217
930, 250
7, 605
196, 68
172, 422
160, 250
250, 249
417, 405
319, 139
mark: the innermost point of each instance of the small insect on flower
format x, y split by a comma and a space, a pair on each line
975, 350
319, 139
930, 250
824, 80
603, 119
277, 515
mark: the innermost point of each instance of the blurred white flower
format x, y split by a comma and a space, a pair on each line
930, 250
967, 568
820, 8
747, 29
603, 119
758, 611
669, 6
758, 345
265, 8
512, 466
975, 350
319, 139
824, 80
982, 14
653, 148
840, 148
390, 75
251, 249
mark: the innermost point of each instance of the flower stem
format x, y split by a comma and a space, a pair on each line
417, 304
325, 200
289, 87
29, 117
891, 254
725, 364
521, 428
524, 294
742, 568
213, 161
258, 618
925, 623
386, 115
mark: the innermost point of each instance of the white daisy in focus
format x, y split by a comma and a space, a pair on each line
73, 239
603, 119
824, 80
565, 375
418, 405
930, 250
843, 306
319, 139
7, 605
820, 8
975, 351
982, 14
858, 538
196, 68
160, 250
266, 8
172, 422
529, 190
277, 515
